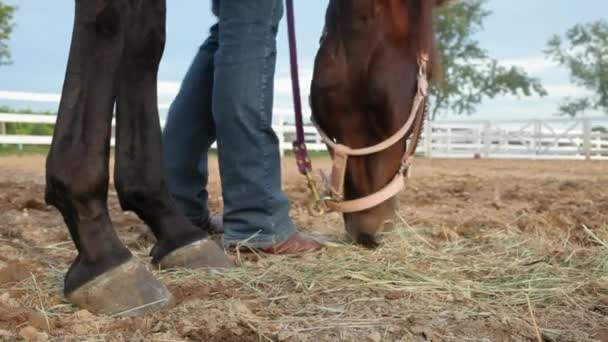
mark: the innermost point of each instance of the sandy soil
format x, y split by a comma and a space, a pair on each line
484, 219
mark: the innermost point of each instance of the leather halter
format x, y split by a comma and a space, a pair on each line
412, 127
335, 186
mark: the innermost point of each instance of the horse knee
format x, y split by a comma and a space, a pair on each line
85, 194
107, 21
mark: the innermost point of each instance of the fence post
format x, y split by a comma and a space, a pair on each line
3, 130
587, 131
479, 140
280, 132
448, 143
536, 137
318, 139
487, 138
428, 139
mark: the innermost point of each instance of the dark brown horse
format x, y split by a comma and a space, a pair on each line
363, 89
114, 57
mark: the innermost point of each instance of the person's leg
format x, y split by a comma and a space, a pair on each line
255, 208
190, 132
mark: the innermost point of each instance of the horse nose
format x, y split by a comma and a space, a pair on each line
364, 227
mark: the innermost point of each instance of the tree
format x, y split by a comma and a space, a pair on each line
573, 107
584, 52
469, 73
6, 28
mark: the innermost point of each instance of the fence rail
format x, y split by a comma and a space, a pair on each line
581, 138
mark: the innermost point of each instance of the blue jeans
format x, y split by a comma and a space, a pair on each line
227, 95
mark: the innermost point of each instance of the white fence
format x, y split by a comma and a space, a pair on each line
583, 138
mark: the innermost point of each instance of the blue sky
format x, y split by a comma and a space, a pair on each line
515, 34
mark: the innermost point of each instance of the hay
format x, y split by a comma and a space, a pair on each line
505, 275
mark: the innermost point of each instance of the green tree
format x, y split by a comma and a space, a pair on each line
584, 52
469, 73
573, 107
6, 28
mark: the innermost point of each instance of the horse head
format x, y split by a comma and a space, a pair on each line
365, 89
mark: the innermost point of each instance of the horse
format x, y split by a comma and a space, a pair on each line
364, 76
113, 62
367, 96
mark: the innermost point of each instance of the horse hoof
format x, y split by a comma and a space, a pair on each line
127, 290
204, 253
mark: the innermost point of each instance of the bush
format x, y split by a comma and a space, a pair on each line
27, 128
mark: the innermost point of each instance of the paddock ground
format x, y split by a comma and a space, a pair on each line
485, 251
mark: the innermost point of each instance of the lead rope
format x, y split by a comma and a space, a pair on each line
410, 152
315, 207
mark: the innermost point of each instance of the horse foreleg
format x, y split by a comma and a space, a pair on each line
139, 172
104, 278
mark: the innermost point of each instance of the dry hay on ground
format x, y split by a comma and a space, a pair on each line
485, 250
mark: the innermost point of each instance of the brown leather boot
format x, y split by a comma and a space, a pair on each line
296, 244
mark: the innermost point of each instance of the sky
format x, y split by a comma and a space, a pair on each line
515, 34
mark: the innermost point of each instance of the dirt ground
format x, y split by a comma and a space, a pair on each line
485, 251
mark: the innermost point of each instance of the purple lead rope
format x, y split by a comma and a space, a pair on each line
299, 145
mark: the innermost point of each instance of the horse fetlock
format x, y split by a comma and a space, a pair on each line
172, 237
142, 198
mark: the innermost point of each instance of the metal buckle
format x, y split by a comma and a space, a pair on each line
316, 204
406, 167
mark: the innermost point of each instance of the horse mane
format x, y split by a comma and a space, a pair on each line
422, 34
410, 23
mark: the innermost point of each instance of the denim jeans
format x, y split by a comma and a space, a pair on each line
227, 95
